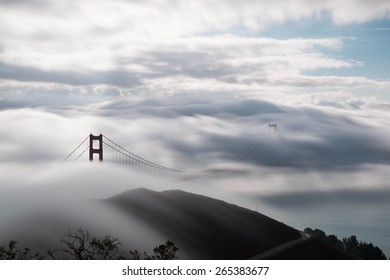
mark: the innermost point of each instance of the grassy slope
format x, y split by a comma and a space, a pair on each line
205, 227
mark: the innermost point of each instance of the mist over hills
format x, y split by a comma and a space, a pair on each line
205, 228
202, 227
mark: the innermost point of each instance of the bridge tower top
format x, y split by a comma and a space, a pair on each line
272, 127
99, 149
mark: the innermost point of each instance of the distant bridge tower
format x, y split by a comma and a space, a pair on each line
272, 127
92, 150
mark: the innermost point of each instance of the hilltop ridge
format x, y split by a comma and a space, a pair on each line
204, 227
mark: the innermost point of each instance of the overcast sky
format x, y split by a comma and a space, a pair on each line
193, 85
72, 48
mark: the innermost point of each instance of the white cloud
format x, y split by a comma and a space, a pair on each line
227, 59
187, 55
340, 152
170, 47
84, 36
338, 131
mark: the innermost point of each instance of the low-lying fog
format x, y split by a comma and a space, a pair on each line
45, 200
324, 167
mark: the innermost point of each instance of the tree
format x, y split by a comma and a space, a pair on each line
135, 255
316, 233
165, 251
106, 248
81, 245
370, 252
333, 240
13, 253
350, 245
320, 234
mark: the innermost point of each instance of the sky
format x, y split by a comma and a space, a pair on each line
193, 85
56, 52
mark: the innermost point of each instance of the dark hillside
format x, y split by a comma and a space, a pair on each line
204, 227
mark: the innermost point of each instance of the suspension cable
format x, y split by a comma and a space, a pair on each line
141, 159
76, 148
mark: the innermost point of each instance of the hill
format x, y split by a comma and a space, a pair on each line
205, 228
202, 227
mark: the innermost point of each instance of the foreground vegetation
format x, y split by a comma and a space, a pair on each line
350, 245
82, 245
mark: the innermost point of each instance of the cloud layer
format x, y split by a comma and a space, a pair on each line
207, 129
328, 155
165, 47
192, 85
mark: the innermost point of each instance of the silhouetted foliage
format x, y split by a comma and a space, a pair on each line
334, 241
362, 249
81, 245
350, 245
135, 255
330, 239
11, 252
165, 251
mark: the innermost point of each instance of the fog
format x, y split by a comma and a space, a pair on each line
324, 167
193, 85
38, 208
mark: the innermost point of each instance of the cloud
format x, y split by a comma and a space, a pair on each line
192, 85
16, 94
199, 132
196, 65
240, 60
307, 137
309, 198
195, 17
40, 201
322, 153
359, 11
165, 47
12, 72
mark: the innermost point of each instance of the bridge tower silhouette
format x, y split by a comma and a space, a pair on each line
92, 150
115, 153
